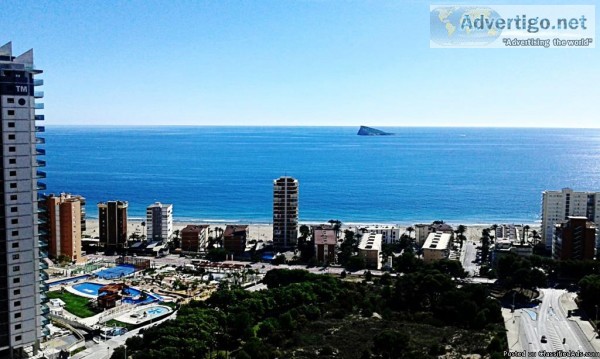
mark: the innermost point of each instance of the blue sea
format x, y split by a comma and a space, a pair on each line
460, 175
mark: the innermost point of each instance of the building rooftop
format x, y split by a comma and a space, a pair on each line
324, 235
370, 241
194, 228
437, 241
233, 230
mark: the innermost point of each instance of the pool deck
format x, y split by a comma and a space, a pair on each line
126, 318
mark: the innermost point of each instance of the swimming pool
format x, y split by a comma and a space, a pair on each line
67, 280
132, 295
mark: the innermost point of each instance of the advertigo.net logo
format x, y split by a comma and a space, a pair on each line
494, 26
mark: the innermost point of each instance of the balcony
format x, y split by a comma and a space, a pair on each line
45, 321
44, 287
38, 82
41, 186
43, 253
38, 106
41, 163
40, 117
38, 94
40, 174
40, 151
44, 276
43, 298
41, 221
40, 129
45, 310
43, 265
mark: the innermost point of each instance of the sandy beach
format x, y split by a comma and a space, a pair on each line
258, 231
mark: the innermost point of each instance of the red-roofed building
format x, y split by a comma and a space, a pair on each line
194, 238
234, 238
325, 241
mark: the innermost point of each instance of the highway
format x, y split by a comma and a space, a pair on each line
549, 319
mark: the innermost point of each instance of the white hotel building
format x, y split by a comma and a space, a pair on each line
22, 287
557, 206
159, 222
389, 234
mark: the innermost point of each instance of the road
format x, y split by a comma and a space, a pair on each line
105, 349
550, 320
468, 256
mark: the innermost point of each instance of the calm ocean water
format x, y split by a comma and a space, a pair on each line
460, 175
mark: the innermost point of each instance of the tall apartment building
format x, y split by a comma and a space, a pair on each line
112, 218
65, 215
574, 239
159, 222
22, 287
558, 206
285, 212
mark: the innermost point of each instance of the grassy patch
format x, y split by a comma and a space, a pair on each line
74, 304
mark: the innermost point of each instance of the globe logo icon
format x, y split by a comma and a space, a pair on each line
463, 26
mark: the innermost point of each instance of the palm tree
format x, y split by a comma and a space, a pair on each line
535, 236
410, 230
525, 233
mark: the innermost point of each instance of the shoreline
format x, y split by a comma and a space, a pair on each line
264, 231
223, 222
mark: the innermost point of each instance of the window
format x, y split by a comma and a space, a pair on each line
16, 280
12, 161
17, 326
11, 124
17, 303
12, 149
12, 173
14, 221
11, 137
17, 292
15, 233
22, 102
13, 197
10, 100
16, 268
15, 256
17, 315
14, 209
13, 185
17, 338
11, 112
15, 244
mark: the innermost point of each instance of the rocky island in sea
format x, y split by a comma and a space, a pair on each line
369, 131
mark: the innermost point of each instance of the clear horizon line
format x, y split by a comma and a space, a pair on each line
320, 126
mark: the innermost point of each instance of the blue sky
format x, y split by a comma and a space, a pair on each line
278, 62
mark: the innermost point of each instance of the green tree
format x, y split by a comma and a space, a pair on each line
304, 231
355, 263
216, 254
391, 343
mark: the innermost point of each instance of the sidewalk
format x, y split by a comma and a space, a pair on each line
512, 324
567, 301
